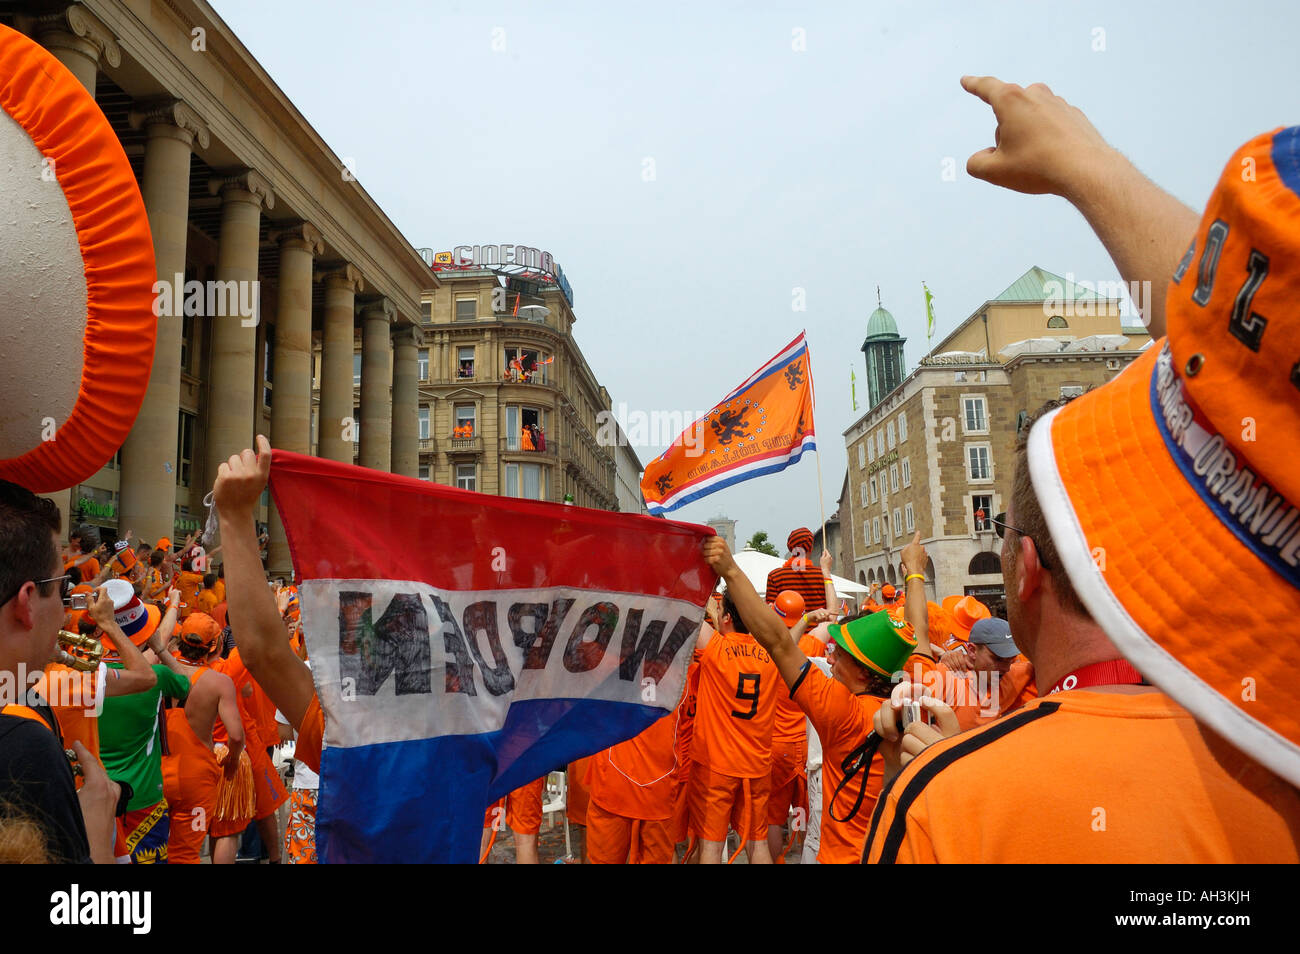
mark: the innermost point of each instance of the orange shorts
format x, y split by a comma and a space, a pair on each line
716, 800
618, 840
789, 784
523, 809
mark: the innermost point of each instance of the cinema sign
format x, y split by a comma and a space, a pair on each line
499, 256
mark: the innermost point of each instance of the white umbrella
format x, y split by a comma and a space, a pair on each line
756, 565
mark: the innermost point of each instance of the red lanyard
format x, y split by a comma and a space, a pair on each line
1113, 672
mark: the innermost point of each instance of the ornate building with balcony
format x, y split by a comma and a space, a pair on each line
507, 402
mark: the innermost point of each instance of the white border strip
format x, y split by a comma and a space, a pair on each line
1273, 750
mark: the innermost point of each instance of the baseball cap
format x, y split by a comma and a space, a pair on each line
789, 606
996, 635
200, 629
164, 544
878, 641
888, 591
1198, 437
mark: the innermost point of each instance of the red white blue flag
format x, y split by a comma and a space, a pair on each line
761, 427
463, 645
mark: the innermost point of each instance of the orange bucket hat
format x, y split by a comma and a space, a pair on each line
1182, 469
964, 613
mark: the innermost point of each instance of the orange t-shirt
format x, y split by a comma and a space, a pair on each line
220, 589
88, 570
789, 726
256, 711
842, 721
188, 583
635, 779
969, 692
206, 601
1113, 778
735, 707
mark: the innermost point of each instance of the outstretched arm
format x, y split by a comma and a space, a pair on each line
263, 643
916, 612
136, 675
1045, 145
763, 623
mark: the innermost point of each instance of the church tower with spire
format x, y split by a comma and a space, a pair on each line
884, 351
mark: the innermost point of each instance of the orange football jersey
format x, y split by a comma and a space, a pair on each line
736, 707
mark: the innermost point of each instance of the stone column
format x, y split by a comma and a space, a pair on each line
291, 386
149, 465
232, 389
341, 287
80, 42
406, 402
376, 379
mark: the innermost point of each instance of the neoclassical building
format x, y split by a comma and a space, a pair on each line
245, 200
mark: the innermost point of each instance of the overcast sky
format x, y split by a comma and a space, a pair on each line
690, 168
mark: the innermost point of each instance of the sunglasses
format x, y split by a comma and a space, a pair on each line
1000, 525
64, 589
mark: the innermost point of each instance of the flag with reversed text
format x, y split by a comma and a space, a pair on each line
761, 427
463, 645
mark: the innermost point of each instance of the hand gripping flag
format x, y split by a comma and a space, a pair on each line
760, 428
463, 645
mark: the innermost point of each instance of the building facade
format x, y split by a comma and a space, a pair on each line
248, 207
937, 454
505, 401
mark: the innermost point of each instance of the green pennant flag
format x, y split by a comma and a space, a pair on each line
853, 387
929, 312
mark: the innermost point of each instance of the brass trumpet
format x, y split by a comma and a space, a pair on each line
82, 653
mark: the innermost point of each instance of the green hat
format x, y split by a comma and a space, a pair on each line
879, 642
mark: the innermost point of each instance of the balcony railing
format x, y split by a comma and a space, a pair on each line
510, 376
464, 445
516, 445
428, 445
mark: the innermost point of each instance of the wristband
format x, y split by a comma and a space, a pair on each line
913, 576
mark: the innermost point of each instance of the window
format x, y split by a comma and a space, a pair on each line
889, 435
356, 425
464, 421
356, 369
422, 362
424, 471
185, 425
907, 472
984, 562
880, 444
1022, 418
466, 309
465, 362
871, 448
863, 489
875, 528
467, 476
424, 422
977, 462
524, 428
1071, 391
527, 365
910, 517
524, 480
981, 508
866, 533
893, 478
874, 495
976, 419
268, 364
187, 332
862, 457
426, 311
902, 428
898, 521
1056, 321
